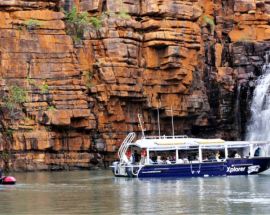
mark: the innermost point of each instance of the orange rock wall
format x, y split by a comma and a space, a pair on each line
183, 57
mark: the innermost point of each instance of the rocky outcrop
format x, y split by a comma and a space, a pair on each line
38, 55
194, 60
239, 49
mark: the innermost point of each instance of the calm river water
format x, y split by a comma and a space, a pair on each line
98, 192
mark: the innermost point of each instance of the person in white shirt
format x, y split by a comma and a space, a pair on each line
217, 156
159, 161
237, 155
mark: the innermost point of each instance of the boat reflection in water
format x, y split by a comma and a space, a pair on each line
212, 195
180, 156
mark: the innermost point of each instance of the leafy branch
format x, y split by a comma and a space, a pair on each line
44, 88
76, 22
51, 108
15, 97
209, 21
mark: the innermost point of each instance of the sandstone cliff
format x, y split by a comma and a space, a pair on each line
199, 58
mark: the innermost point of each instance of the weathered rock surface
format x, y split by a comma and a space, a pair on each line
196, 60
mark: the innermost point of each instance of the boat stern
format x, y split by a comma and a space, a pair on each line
123, 170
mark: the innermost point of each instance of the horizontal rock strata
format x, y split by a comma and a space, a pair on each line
194, 60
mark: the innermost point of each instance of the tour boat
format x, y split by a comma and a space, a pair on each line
181, 156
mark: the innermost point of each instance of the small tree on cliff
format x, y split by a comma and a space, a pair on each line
76, 22
11, 101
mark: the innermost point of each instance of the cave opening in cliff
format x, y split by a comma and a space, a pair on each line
156, 54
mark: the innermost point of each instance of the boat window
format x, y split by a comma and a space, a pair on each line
162, 157
238, 152
188, 155
213, 155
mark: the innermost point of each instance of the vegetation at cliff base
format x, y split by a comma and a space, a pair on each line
11, 111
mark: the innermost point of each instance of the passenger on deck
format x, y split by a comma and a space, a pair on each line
217, 157
205, 159
196, 159
180, 160
257, 152
159, 160
143, 156
168, 161
211, 157
135, 157
151, 161
153, 157
127, 157
237, 155
186, 160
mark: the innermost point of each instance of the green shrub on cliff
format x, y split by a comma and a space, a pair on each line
124, 15
209, 21
96, 22
51, 108
30, 80
88, 76
44, 88
32, 24
15, 97
76, 22
75, 17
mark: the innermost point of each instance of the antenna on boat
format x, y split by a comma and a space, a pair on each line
158, 118
172, 123
141, 124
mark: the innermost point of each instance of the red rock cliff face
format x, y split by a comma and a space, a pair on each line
84, 96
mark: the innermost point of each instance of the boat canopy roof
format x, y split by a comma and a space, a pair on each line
158, 144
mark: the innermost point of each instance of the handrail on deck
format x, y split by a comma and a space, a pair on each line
123, 148
165, 137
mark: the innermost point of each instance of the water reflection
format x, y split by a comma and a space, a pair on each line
221, 195
99, 192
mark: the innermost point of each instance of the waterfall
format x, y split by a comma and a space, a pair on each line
259, 124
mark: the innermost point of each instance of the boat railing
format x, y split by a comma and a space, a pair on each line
247, 142
165, 137
123, 148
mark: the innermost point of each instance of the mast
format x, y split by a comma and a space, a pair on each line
158, 119
141, 124
172, 123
